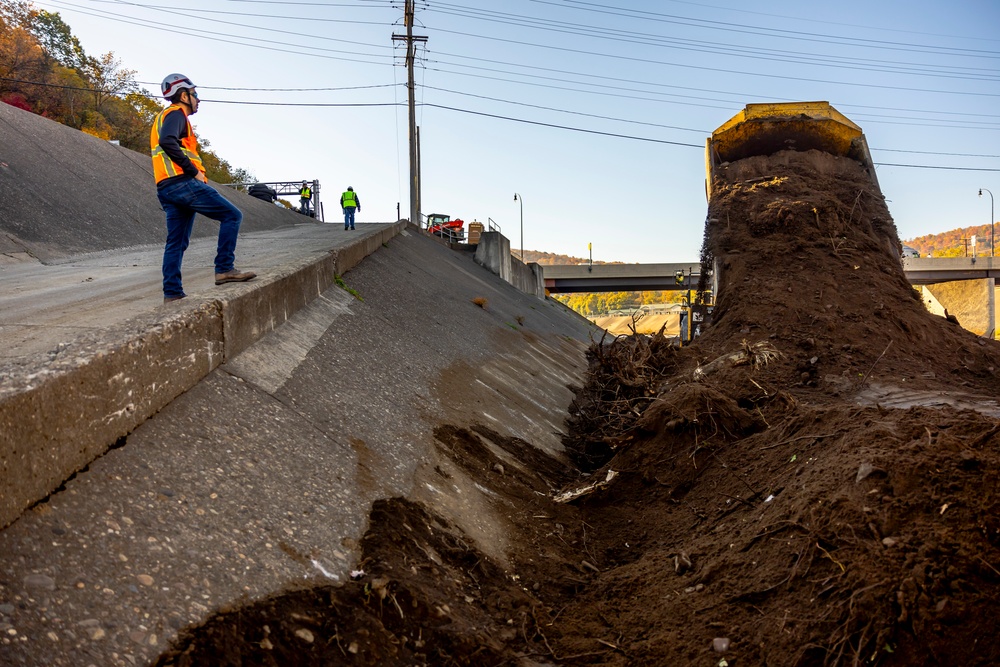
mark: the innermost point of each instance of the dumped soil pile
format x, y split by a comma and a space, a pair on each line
739, 504
809, 258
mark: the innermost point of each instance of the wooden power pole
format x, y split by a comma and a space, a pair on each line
410, 39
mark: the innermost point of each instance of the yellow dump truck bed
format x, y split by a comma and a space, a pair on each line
764, 129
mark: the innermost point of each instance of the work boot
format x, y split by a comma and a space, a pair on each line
234, 276
171, 299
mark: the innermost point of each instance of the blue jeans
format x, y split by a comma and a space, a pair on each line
180, 200
304, 205
349, 217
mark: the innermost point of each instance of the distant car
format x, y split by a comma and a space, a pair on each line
263, 192
910, 252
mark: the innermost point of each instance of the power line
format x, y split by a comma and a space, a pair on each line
773, 55
674, 127
243, 102
852, 25
674, 143
283, 90
173, 11
564, 127
717, 69
777, 32
517, 120
566, 111
219, 37
188, 10
516, 65
931, 166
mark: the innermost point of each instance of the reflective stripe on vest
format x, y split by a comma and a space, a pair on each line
163, 166
305, 193
349, 200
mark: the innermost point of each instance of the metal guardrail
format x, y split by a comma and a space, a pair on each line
287, 189
451, 235
491, 226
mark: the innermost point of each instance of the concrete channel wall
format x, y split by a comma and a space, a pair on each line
493, 252
57, 419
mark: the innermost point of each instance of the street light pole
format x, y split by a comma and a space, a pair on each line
519, 198
992, 220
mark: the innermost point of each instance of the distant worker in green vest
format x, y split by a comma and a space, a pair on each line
305, 197
349, 202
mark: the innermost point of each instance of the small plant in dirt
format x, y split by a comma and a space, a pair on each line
350, 290
511, 325
481, 301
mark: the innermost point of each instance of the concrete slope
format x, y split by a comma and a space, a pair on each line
260, 476
63, 192
130, 356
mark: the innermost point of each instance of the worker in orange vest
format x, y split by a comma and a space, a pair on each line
183, 190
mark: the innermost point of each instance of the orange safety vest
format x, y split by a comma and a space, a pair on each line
163, 166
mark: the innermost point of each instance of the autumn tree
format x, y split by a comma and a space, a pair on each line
44, 69
58, 41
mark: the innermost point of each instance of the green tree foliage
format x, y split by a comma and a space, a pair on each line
44, 69
57, 40
599, 303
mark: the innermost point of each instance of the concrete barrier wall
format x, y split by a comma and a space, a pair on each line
493, 252
134, 370
252, 314
527, 278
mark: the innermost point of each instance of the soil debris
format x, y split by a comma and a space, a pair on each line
763, 514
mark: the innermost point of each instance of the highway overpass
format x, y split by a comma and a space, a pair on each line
566, 278
932, 270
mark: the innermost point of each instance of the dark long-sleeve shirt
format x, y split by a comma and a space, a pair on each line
175, 128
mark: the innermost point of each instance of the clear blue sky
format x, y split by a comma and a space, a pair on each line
922, 78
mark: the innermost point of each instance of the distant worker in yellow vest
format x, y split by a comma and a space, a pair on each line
183, 190
305, 197
349, 202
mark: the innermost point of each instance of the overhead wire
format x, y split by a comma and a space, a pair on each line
218, 36
187, 10
726, 26
621, 91
854, 25
729, 71
486, 60
502, 117
160, 27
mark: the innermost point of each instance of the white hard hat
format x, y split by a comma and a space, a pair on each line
172, 83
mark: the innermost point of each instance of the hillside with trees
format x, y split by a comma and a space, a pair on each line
954, 243
45, 70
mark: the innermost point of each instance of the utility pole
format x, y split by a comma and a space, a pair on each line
411, 91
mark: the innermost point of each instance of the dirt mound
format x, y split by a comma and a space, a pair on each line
809, 258
745, 505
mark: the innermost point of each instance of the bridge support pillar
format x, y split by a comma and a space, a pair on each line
991, 306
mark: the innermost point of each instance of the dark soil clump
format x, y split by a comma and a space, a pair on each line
747, 502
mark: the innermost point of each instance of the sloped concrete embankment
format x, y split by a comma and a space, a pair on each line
58, 416
64, 192
261, 476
